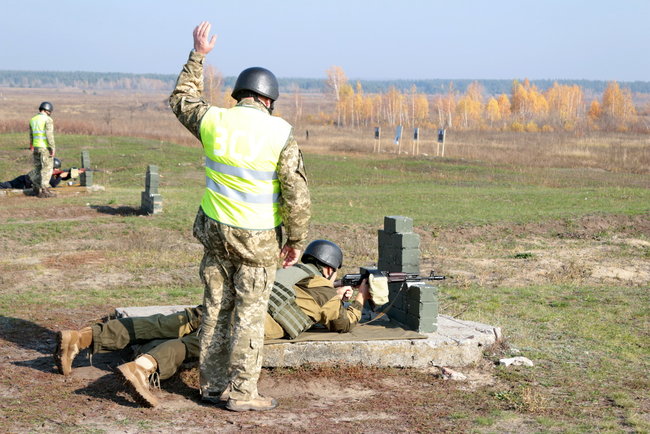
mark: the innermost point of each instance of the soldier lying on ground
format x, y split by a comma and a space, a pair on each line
167, 341
27, 181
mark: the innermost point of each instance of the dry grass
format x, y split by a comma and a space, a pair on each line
122, 113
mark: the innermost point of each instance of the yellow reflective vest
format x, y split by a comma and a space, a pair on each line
37, 125
242, 146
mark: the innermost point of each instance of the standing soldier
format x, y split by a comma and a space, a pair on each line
255, 183
41, 141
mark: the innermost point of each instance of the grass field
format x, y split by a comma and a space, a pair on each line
559, 257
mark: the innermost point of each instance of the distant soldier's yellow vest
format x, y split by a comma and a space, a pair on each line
37, 125
242, 146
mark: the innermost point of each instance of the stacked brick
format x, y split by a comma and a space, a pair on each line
151, 200
86, 178
415, 304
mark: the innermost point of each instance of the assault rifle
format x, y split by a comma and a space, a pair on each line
355, 280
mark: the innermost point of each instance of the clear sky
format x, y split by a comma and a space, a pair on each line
369, 39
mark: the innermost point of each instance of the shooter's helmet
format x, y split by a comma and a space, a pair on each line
324, 252
57, 163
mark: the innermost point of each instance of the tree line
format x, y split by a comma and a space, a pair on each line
119, 80
525, 107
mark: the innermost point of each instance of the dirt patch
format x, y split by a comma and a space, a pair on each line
594, 250
591, 250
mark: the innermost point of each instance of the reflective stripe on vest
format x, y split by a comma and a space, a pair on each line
242, 146
282, 303
37, 125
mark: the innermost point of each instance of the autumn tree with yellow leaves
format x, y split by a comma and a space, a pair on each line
561, 107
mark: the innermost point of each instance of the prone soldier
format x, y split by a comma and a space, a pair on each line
303, 295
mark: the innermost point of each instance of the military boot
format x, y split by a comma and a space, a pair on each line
68, 345
45, 193
261, 403
215, 397
137, 375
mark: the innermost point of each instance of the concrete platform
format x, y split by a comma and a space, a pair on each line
65, 190
456, 343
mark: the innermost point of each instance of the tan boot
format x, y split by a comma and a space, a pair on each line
260, 403
68, 345
216, 397
45, 193
137, 375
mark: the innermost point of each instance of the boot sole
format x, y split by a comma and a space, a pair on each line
248, 407
144, 397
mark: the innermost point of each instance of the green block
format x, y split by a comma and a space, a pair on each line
423, 293
85, 159
421, 310
397, 240
393, 224
422, 325
86, 179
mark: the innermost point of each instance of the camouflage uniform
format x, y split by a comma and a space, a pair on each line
238, 266
43, 160
169, 339
317, 298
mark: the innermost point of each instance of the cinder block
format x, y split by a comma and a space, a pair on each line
393, 224
85, 159
422, 325
422, 293
393, 241
422, 309
152, 168
86, 179
397, 315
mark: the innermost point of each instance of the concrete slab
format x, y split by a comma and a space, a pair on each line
456, 343
64, 190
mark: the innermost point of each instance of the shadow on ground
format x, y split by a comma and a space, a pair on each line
124, 211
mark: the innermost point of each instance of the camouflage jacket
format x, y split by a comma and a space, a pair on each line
253, 247
317, 298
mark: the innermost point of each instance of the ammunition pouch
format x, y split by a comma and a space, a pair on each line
282, 301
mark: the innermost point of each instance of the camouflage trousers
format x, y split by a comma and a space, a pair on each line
169, 339
43, 167
232, 333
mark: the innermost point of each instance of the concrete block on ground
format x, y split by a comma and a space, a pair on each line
85, 159
397, 241
86, 179
394, 224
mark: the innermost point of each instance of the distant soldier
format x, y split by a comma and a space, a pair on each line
41, 141
27, 181
255, 183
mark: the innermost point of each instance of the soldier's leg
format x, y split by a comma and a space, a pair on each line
38, 166
172, 353
253, 286
164, 358
218, 303
119, 333
47, 166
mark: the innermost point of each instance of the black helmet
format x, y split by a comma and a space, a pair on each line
46, 106
57, 163
258, 80
325, 252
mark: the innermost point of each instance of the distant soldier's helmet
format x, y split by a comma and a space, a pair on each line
325, 252
57, 163
46, 106
258, 80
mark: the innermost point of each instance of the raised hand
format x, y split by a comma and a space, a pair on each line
201, 35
